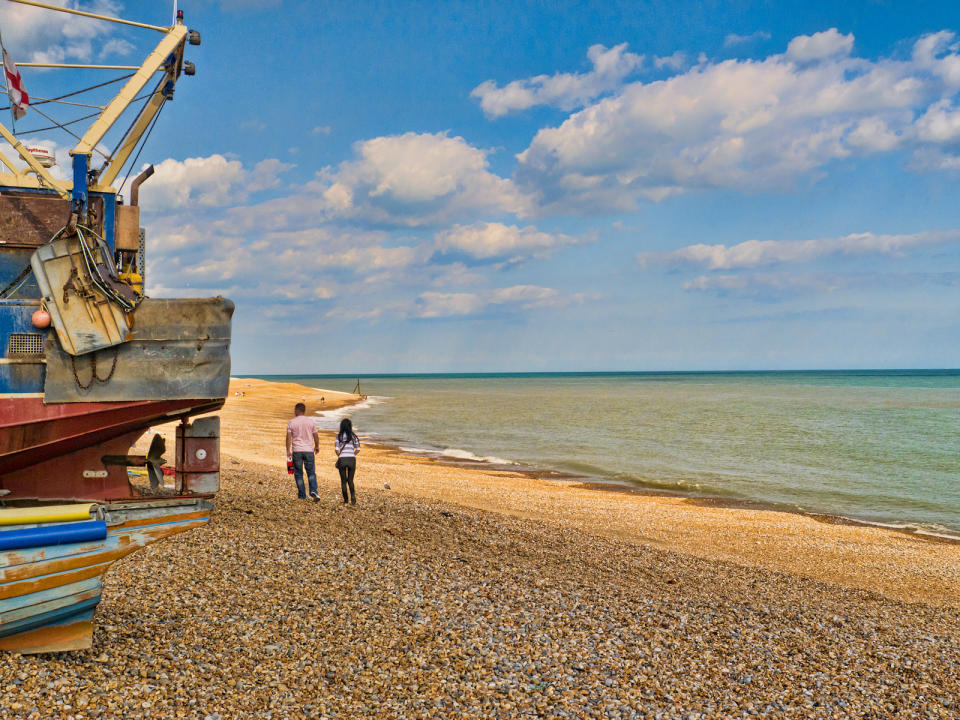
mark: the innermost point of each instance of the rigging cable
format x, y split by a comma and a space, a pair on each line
77, 92
133, 122
142, 145
71, 132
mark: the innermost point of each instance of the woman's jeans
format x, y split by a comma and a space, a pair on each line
348, 467
303, 460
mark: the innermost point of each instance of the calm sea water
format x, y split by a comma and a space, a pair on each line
878, 446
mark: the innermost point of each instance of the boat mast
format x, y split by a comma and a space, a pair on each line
166, 56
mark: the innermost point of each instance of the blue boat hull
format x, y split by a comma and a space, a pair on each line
48, 593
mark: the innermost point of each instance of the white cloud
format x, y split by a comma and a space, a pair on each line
927, 159
766, 283
563, 90
212, 181
517, 297
415, 179
818, 46
322, 130
754, 253
778, 285
732, 40
676, 61
116, 46
940, 123
266, 174
496, 240
32, 34
745, 124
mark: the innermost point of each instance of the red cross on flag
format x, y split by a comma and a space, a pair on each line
19, 100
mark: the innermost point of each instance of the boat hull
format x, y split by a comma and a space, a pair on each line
56, 451
48, 594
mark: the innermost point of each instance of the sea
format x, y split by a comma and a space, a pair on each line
875, 446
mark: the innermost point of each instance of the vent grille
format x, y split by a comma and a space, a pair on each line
25, 345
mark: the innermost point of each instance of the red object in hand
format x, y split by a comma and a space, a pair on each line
290, 467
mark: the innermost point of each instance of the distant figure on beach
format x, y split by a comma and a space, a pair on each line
303, 442
322, 400
347, 446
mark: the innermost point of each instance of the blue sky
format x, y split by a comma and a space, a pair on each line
566, 186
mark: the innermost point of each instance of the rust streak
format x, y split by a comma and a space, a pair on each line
58, 638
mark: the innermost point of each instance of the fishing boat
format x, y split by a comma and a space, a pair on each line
90, 363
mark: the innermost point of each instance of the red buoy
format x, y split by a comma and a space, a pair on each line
41, 319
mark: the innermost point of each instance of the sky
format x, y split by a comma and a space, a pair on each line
490, 186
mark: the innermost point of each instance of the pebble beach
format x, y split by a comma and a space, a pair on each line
455, 592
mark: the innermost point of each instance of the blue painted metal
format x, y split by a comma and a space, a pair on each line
81, 166
109, 217
78, 610
15, 317
12, 261
55, 534
16, 607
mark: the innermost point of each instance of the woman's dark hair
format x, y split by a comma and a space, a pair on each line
346, 430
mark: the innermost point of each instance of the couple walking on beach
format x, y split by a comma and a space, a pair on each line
303, 442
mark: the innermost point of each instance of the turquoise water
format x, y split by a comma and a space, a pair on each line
878, 446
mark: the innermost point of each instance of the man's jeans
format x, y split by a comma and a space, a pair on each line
303, 460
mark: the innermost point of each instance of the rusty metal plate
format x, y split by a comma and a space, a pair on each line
179, 349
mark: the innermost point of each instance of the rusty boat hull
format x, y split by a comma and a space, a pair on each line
55, 452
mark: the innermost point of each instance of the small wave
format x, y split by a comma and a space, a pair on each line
458, 454
330, 419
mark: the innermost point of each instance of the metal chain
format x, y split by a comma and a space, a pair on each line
93, 369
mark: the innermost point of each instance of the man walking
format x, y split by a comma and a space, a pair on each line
303, 442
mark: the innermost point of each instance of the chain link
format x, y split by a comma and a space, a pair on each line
93, 369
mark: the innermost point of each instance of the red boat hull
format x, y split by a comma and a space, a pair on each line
55, 451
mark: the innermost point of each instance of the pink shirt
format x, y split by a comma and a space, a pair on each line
302, 429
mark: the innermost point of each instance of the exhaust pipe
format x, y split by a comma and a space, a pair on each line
139, 180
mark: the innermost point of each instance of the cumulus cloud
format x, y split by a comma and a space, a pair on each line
564, 90
493, 240
745, 124
517, 297
415, 179
818, 46
755, 253
32, 34
207, 182
676, 61
733, 40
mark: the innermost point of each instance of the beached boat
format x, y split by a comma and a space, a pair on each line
90, 363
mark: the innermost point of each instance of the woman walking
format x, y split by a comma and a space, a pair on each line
347, 447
